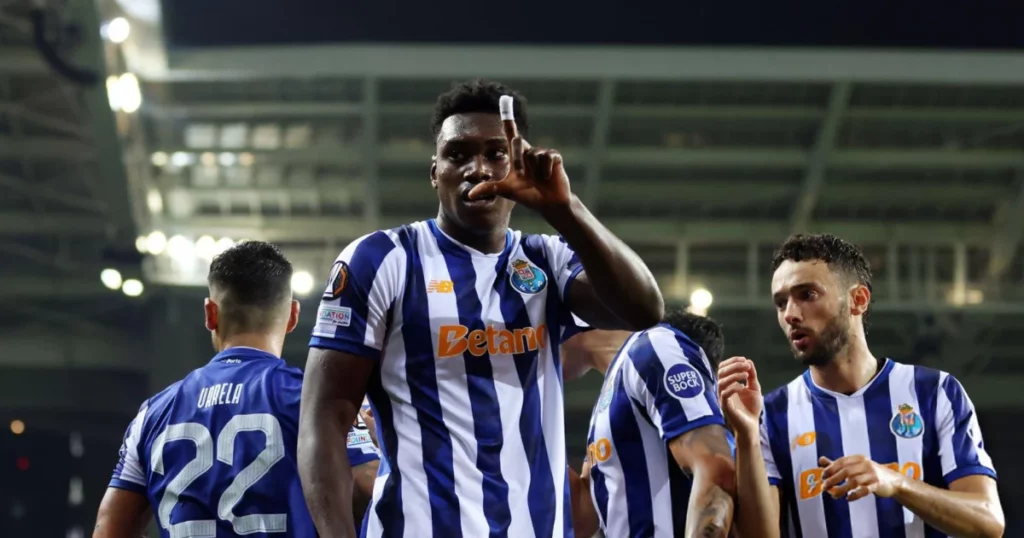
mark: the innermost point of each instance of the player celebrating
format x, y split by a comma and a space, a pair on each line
214, 453
451, 327
856, 446
658, 399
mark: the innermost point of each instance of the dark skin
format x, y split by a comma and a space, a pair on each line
479, 157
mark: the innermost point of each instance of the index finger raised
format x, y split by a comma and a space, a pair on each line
508, 117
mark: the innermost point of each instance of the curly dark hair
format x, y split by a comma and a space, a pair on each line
845, 260
704, 331
478, 96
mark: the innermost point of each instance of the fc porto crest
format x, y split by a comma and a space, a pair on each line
906, 423
527, 277
607, 390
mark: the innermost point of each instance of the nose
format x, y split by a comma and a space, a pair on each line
792, 313
478, 170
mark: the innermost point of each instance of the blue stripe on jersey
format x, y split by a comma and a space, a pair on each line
878, 412
540, 497
558, 312
483, 399
629, 450
926, 384
421, 377
830, 445
776, 408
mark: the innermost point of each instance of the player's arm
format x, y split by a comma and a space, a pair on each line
629, 297
364, 476
332, 392
585, 521
705, 454
346, 343
580, 351
970, 507
122, 514
757, 498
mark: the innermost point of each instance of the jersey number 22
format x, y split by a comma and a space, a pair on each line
272, 452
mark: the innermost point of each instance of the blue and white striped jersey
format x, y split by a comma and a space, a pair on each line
914, 419
215, 452
467, 395
659, 386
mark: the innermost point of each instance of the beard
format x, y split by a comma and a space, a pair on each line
829, 343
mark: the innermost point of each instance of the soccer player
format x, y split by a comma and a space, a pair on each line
660, 457
214, 453
856, 446
451, 326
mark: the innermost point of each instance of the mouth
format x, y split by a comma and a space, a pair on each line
800, 339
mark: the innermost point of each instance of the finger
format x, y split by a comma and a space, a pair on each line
726, 371
752, 380
840, 491
543, 165
824, 462
859, 493
730, 402
731, 380
508, 117
489, 188
835, 479
730, 360
517, 151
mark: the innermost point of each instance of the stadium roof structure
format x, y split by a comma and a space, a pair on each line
702, 159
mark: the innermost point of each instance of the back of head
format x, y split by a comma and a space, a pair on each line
251, 284
704, 331
478, 96
844, 259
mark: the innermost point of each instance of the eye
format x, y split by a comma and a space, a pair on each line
498, 155
456, 156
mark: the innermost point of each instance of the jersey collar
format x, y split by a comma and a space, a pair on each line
242, 353
878, 380
446, 242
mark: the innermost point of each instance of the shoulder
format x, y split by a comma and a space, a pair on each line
921, 379
777, 401
376, 244
662, 343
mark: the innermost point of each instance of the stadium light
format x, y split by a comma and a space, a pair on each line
302, 282
180, 249
140, 245
154, 201
208, 159
17, 427
130, 97
118, 30
206, 248
223, 244
132, 287
156, 242
700, 301
159, 159
227, 159
181, 159
111, 278
246, 159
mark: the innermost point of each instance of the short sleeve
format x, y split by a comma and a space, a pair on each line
129, 474
961, 447
774, 478
361, 288
565, 266
673, 382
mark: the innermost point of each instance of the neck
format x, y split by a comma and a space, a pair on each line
272, 344
604, 352
850, 370
488, 241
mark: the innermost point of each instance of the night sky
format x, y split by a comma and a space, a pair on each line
943, 24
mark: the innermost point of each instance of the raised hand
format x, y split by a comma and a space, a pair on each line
536, 178
739, 394
854, 477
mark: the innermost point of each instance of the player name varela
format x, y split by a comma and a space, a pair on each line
219, 394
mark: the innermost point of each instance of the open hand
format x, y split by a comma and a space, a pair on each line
536, 178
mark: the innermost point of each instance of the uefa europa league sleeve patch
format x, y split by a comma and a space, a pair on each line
683, 381
337, 280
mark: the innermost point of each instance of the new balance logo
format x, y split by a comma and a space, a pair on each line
440, 286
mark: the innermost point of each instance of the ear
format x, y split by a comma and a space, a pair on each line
860, 299
433, 171
212, 314
293, 316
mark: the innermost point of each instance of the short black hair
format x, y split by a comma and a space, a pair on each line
845, 260
478, 95
252, 279
704, 331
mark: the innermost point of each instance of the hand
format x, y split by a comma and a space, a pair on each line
536, 178
585, 469
739, 394
366, 414
861, 475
